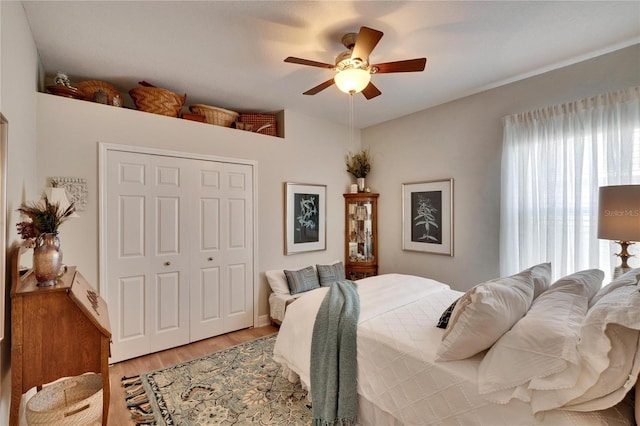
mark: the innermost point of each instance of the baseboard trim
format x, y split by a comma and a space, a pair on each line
263, 320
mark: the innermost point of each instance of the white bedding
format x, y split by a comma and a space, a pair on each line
397, 343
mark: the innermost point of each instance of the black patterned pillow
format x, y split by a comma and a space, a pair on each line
329, 274
302, 280
443, 322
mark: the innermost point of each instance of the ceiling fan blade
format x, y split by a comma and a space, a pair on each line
410, 65
371, 91
319, 88
301, 61
367, 39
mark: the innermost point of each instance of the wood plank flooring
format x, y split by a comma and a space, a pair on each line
118, 413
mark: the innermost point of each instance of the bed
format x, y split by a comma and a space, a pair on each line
402, 378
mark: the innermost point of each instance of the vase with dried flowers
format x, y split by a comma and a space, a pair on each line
42, 228
359, 165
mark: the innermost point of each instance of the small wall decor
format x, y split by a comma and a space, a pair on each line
305, 216
427, 216
76, 190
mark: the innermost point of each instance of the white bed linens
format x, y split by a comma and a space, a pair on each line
397, 343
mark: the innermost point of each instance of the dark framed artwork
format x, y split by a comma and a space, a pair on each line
427, 216
305, 217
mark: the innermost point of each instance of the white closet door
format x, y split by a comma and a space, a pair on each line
179, 250
147, 253
222, 249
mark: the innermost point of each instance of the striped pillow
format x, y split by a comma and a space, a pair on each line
302, 280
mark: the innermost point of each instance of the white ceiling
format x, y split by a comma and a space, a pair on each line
230, 53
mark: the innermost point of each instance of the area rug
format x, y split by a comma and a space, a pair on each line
240, 385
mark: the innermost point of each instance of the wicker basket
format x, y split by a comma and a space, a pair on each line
91, 89
73, 401
157, 100
213, 115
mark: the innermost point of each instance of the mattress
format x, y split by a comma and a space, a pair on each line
398, 380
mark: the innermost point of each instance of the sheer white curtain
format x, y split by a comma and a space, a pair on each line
553, 161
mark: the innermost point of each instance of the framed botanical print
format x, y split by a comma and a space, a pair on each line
427, 216
305, 217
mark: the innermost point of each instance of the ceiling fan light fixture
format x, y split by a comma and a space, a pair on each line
352, 80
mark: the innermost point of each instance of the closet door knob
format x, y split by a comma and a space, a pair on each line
167, 263
210, 259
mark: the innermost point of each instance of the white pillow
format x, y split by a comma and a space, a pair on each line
278, 281
541, 278
485, 313
543, 343
610, 347
628, 278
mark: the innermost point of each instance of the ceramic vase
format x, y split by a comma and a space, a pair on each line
360, 184
47, 259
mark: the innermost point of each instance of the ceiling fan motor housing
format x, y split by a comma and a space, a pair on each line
344, 61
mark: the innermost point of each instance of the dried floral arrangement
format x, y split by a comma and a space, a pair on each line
44, 218
359, 164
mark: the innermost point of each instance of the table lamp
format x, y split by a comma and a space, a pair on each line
619, 219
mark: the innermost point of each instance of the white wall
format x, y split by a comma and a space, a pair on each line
313, 152
462, 140
18, 84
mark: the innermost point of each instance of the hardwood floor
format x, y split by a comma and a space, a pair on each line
118, 413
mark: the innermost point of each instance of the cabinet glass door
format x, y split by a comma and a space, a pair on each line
360, 232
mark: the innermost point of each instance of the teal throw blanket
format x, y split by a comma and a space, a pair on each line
333, 357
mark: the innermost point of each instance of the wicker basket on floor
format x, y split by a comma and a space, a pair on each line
157, 100
214, 115
91, 87
72, 401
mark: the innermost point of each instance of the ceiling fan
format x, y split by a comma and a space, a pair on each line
352, 68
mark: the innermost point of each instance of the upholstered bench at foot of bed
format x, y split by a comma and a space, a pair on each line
278, 303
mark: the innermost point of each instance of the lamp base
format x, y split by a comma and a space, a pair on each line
619, 271
624, 256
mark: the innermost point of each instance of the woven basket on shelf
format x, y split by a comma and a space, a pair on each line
73, 401
157, 100
91, 89
213, 115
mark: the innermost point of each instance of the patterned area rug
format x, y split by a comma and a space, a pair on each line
237, 386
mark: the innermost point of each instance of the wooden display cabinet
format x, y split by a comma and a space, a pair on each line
58, 331
361, 235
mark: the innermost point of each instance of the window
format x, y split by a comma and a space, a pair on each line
554, 160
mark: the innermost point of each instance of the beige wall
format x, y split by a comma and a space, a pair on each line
313, 152
18, 83
462, 140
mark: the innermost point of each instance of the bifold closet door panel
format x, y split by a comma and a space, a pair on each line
222, 249
147, 265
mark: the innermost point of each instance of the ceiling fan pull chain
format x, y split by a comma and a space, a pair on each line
351, 138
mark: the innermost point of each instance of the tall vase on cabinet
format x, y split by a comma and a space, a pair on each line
44, 217
47, 259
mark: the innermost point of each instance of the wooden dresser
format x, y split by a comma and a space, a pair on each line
56, 332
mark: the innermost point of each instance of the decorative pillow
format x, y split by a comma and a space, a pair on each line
443, 322
302, 280
485, 313
278, 281
629, 278
330, 273
541, 278
543, 343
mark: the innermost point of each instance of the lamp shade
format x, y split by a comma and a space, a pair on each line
59, 195
352, 80
619, 212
